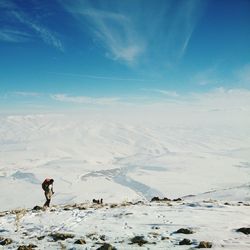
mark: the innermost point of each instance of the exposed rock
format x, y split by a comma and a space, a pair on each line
205, 244
185, 242
3, 213
128, 214
81, 208
5, 241
67, 209
37, 208
244, 230
29, 247
164, 238
184, 231
106, 246
156, 198
80, 242
103, 237
166, 199
138, 240
92, 236
138, 202
178, 199
41, 237
61, 236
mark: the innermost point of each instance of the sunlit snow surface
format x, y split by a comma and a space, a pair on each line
210, 221
196, 156
121, 159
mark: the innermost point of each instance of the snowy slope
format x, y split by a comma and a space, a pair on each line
118, 224
121, 159
203, 157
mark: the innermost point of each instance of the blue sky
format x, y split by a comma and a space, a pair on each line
100, 52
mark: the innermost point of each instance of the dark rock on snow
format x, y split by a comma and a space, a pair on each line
37, 208
29, 247
156, 198
5, 241
102, 237
164, 238
205, 244
244, 230
138, 240
106, 246
81, 208
178, 199
80, 242
185, 242
41, 237
184, 231
61, 236
67, 209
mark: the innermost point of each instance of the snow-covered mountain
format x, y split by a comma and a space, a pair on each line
129, 225
119, 160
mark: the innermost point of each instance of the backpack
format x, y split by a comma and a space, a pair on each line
45, 184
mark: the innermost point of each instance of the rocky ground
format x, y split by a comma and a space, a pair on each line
159, 224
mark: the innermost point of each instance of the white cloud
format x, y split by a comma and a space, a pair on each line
168, 93
15, 36
188, 16
226, 99
181, 26
115, 32
207, 76
243, 74
84, 99
45, 34
139, 32
12, 11
217, 98
27, 94
101, 77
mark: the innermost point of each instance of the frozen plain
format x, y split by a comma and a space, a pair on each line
200, 156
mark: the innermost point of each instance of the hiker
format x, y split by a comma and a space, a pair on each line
47, 186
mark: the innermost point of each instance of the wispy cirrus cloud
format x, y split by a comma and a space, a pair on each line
184, 23
101, 77
208, 76
84, 99
26, 94
223, 98
115, 31
243, 75
44, 33
139, 32
168, 93
16, 36
16, 16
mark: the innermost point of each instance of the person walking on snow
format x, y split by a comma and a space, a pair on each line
47, 186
